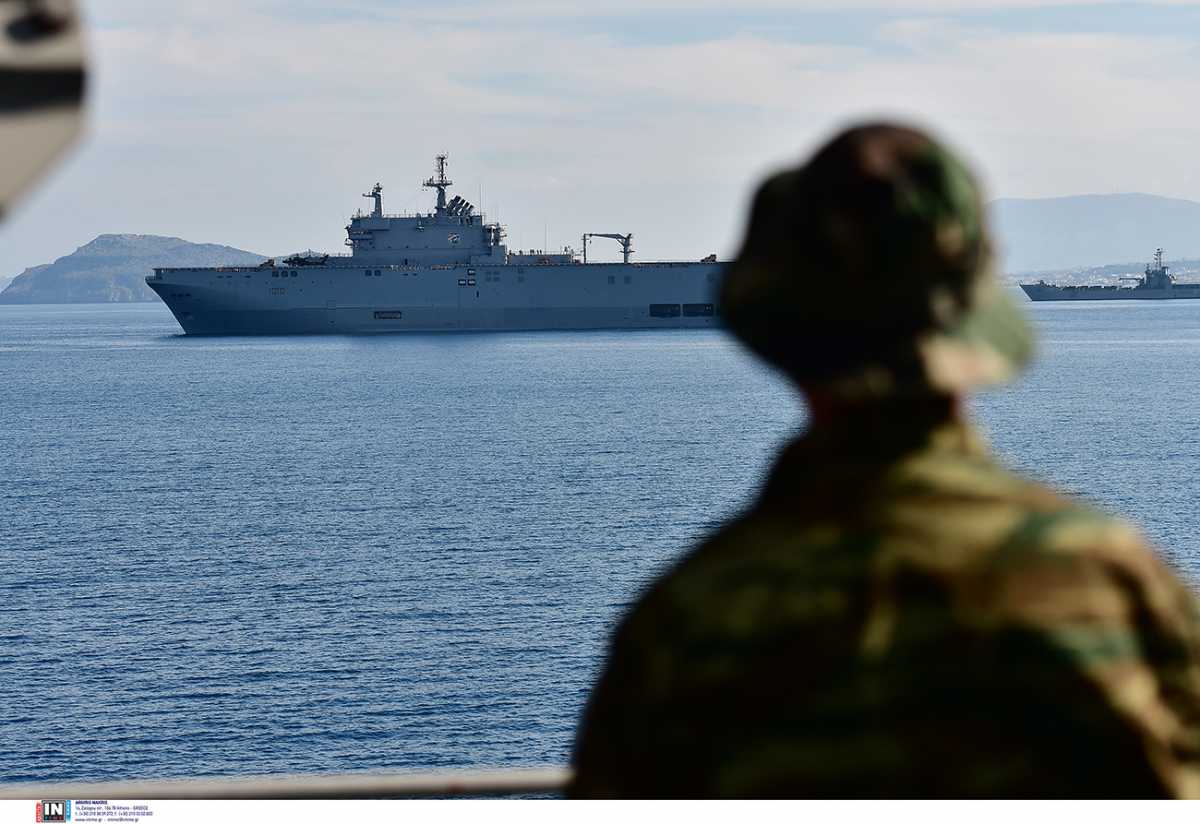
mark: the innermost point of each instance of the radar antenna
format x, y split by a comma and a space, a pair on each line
624, 240
376, 194
439, 182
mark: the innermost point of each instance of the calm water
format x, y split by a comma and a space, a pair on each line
322, 554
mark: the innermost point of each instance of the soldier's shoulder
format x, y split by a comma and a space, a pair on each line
1053, 554
970, 525
975, 527
1048, 522
967, 494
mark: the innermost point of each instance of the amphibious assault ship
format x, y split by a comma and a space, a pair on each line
1154, 284
448, 269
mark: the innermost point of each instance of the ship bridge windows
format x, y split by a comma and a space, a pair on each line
698, 310
665, 310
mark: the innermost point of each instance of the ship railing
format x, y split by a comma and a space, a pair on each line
542, 781
362, 214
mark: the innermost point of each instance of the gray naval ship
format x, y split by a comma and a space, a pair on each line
1154, 284
448, 269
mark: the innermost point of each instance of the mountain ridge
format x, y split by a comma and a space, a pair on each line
1078, 231
112, 268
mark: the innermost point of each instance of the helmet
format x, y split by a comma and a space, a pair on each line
868, 271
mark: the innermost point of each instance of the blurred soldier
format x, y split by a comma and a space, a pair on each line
896, 615
41, 89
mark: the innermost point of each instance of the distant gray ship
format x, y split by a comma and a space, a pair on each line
443, 270
1155, 284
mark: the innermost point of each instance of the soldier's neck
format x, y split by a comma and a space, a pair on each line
921, 411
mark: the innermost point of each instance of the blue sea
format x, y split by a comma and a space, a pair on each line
245, 556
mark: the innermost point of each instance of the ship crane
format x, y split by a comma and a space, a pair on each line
624, 240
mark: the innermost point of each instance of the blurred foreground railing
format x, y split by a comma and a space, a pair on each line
356, 785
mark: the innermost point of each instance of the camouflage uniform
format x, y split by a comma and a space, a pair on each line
897, 615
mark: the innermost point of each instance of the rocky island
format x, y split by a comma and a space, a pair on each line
113, 269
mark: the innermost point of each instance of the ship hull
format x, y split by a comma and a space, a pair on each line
393, 299
1040, 292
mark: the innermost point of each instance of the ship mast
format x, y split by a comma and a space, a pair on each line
376, 194
439, 182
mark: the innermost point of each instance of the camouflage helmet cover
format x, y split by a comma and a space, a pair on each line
868, 270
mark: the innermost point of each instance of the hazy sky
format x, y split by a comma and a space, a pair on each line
258, 123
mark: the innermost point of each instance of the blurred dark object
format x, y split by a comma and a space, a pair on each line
42, 84
40, 20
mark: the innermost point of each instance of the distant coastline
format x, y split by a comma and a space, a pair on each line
1112, 274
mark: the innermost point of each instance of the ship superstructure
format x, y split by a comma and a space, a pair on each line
448, 269
1156, 283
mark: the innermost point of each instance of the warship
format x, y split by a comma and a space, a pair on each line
448, 269
1154, 284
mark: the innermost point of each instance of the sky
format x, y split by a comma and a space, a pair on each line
259, 123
